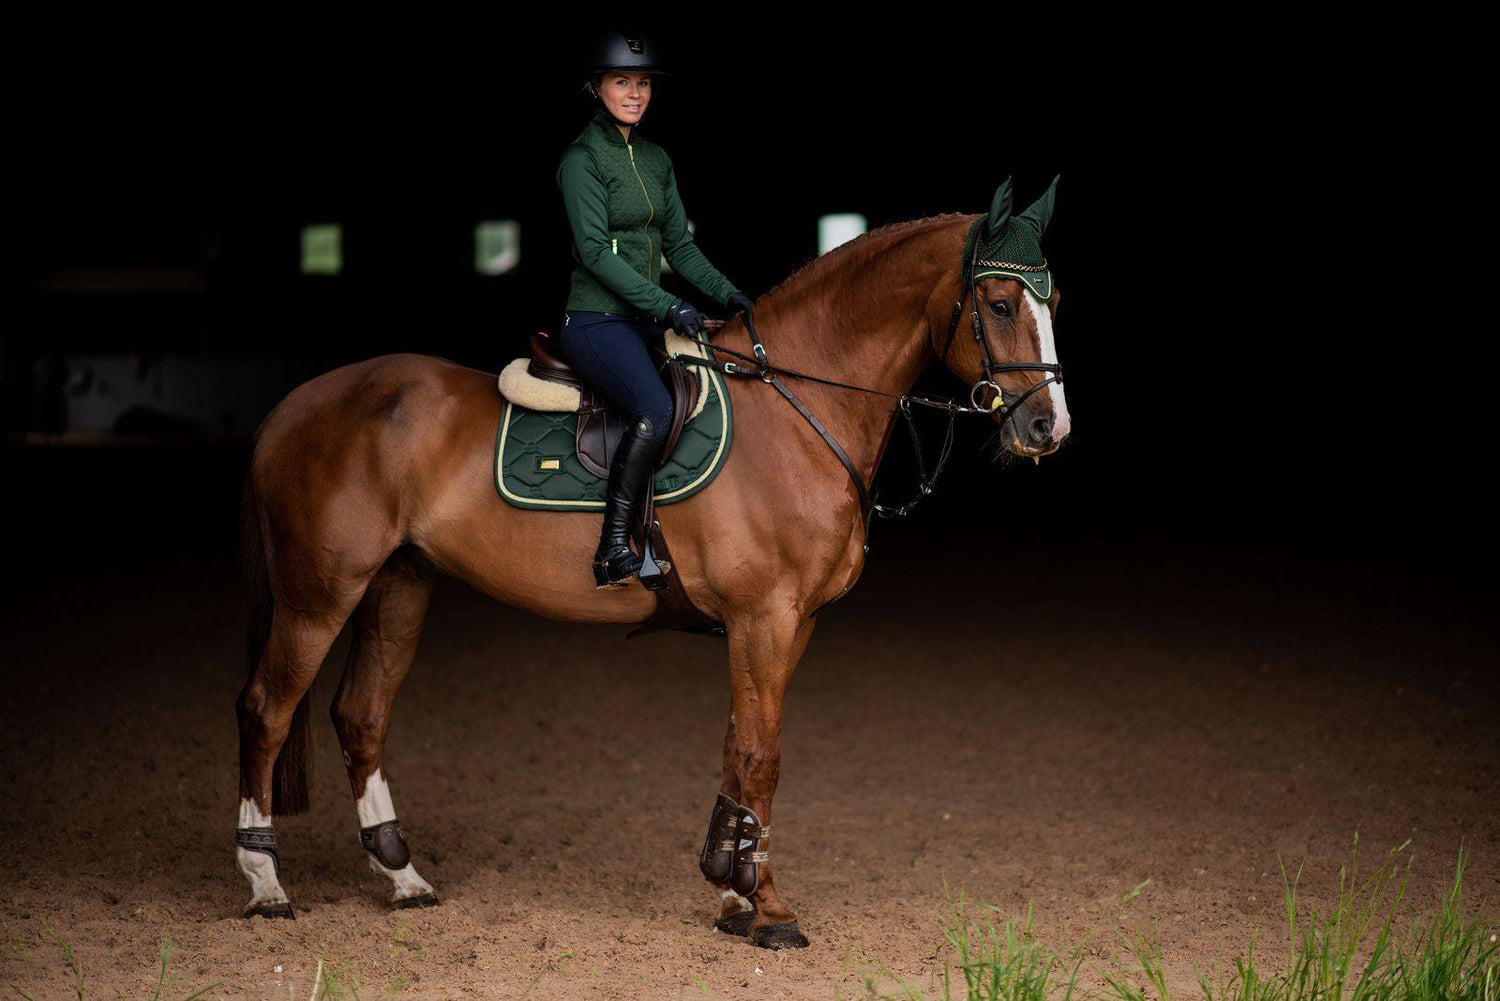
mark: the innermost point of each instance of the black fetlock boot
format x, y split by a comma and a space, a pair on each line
630, 474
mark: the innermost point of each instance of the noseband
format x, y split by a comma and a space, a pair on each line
869, 505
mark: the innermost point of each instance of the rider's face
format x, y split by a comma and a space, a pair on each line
625, 94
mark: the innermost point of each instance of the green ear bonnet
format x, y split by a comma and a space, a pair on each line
1010, 245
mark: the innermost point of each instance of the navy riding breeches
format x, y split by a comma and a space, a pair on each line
609, 351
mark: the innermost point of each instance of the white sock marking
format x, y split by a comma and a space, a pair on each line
258, 867
406, 882
375, 807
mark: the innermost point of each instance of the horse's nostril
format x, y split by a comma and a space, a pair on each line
1041, 428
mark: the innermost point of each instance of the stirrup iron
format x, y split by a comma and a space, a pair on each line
653, 572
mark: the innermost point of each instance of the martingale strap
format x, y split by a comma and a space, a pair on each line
869, 500
769, 375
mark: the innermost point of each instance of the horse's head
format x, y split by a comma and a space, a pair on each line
1011, 359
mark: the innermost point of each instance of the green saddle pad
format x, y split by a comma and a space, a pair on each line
536, 457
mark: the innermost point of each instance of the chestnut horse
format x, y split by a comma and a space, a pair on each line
368, 480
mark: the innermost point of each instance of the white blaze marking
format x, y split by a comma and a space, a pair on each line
1061, 424
375, 807
258, 867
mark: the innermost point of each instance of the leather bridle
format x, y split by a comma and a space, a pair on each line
971, 259
869, 504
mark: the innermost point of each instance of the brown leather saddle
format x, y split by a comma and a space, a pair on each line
600, 423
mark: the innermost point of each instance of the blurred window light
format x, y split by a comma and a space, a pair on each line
839, 228
322, 249
497, 246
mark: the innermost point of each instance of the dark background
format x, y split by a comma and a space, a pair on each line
1245, 613
1255, 363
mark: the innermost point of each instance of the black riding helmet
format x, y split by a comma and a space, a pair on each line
618, 50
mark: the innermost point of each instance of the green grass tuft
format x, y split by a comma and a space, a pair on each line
334, 981
1353, 953
1453, 958
162, 976
996, 962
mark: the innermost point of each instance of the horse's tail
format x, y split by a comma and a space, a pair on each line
289, 785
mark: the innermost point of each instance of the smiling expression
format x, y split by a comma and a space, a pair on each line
625, 93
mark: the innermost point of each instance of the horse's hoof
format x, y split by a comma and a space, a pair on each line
736, 924
778, 936
269, 910
420, 900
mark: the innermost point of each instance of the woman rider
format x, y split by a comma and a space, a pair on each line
625, 213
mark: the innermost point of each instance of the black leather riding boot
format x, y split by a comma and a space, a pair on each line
630, 475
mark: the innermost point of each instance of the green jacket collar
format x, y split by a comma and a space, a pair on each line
609, 128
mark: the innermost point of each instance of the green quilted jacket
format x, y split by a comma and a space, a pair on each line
625, 213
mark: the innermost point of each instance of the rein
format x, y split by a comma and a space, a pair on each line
869, 501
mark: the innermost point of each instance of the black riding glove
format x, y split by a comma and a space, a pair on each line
738, 303
683, 318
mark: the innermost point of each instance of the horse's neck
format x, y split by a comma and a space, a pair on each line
870, 327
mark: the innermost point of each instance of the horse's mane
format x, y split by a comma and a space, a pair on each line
856, 252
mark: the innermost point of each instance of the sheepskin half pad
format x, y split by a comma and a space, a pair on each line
520, 386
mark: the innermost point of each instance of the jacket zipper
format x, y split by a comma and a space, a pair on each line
646, 228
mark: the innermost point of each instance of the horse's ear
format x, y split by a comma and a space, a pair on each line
1040, 211
999, 211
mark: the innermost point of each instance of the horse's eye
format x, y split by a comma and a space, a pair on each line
1000, 307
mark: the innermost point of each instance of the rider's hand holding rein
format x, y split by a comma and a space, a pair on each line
683, 318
